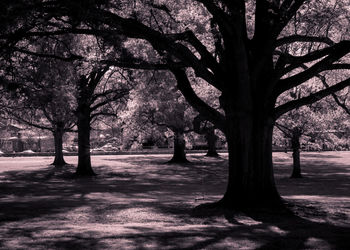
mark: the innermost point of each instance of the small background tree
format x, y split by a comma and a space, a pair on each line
156, 102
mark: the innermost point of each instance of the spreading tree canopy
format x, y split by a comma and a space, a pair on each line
250, 51
44, 96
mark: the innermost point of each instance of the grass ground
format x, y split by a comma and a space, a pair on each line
138, 202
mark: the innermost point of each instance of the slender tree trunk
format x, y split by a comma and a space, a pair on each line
84, 157
211, 138
250, 181
58, 137
179, 155
209, 133
296, 153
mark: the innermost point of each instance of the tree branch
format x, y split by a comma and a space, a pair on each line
335, 53
95, 115
71, 58
141, 64
206, 56
297, 61
301, 38
160, 42
285, 130
204, 109
118, 95
288, 9
335, 97
21, 119
219, 16
284, 108
134, 29
107, 93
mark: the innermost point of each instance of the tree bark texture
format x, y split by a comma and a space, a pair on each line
249, 123
296, 153
58, 137
84, 157
179, 155
250, 179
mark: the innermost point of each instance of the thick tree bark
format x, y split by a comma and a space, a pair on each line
248, 125
84, 157
250, 179
296, 153
211, 138
58, 137
179, 155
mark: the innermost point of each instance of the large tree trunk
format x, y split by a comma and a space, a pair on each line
58, 137
179, 155
296, 153
84, 157
251, 180
248, 122
211, 138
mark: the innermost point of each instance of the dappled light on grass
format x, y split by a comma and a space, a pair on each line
138, 202
323, 194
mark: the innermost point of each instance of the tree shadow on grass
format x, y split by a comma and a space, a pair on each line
200, 170
322, 178
138, 160
82, 240
303, 233
270, 231
259, 230
35, 194
31, 194
145, 188
201, 160
322, 155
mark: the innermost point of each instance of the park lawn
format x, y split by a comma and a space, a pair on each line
138, 202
